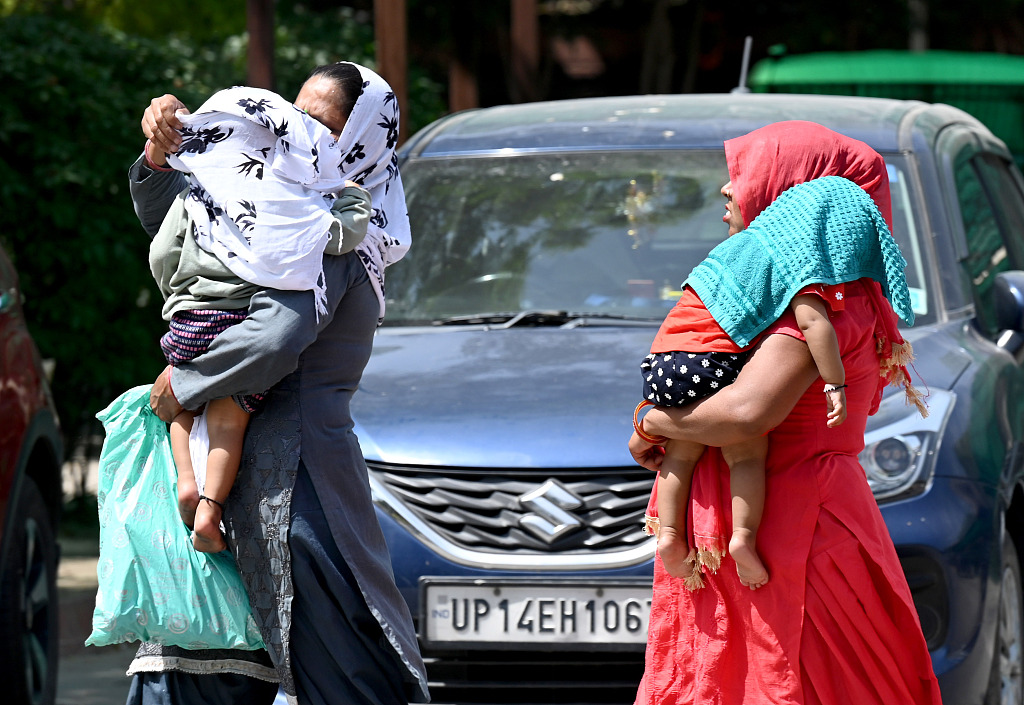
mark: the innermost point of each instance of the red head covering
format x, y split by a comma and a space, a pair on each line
764, 163
767, 161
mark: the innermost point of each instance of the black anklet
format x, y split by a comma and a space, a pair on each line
210, 499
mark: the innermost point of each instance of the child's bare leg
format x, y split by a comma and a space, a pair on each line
673, 497
226, 423
746, 478
188, 492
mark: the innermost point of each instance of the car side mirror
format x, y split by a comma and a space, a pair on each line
1008, 296
8, 299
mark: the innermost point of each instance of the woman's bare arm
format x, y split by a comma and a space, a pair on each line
766, 390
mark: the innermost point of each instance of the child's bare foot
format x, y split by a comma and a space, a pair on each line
674, 552
188, 492
188, 501
206, 536
751, 570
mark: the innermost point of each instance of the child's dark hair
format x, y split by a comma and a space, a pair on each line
346, 76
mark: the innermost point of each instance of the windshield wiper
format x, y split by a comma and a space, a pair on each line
550, 319
585, 318
507, 319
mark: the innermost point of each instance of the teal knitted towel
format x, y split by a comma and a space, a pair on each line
825, 231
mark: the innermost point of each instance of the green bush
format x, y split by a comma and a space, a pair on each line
74, 93
69, 128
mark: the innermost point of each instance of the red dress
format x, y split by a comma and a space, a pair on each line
836, 623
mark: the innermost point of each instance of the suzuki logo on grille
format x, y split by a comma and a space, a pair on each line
549, 519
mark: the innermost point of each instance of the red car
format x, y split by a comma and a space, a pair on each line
30, 498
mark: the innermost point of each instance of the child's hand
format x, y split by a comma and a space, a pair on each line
646, 454
836, 400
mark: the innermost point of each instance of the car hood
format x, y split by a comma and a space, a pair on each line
519, 397
940, 355
527, 397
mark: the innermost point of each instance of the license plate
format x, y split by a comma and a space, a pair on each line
552, 613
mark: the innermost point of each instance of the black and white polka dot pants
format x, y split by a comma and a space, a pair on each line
681, 378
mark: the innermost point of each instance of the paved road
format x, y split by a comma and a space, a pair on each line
88, 675
97, 676
94, 676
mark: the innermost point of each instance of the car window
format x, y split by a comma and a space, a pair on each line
905, 226
987, 252
613, 232
1007, 203
585, 232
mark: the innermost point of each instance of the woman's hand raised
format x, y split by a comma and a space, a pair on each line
161, 125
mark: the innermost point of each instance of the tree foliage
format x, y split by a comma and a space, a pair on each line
71, 105
200, 22
74, 92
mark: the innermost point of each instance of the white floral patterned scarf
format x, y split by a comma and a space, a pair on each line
263, 175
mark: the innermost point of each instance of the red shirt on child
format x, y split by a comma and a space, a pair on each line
689, 326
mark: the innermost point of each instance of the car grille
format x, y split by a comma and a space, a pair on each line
490, 510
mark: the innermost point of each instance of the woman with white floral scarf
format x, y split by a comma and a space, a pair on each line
299, 519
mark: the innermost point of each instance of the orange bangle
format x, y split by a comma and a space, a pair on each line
638, 425
150, 163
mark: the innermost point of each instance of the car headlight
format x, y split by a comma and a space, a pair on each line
900, 447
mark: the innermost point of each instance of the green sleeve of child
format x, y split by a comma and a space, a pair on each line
352, 210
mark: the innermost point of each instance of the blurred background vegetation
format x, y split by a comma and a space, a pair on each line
75, 82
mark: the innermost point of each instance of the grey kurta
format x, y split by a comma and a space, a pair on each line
281, 347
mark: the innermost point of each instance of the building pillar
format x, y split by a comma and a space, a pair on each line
525, 50
259, 20
389, 29
462, 90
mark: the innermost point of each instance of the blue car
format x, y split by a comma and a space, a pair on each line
550, 241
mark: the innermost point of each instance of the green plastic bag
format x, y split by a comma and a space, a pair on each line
153, 585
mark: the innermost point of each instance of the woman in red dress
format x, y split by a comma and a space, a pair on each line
836, 624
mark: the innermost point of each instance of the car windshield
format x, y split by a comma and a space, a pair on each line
587, 234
